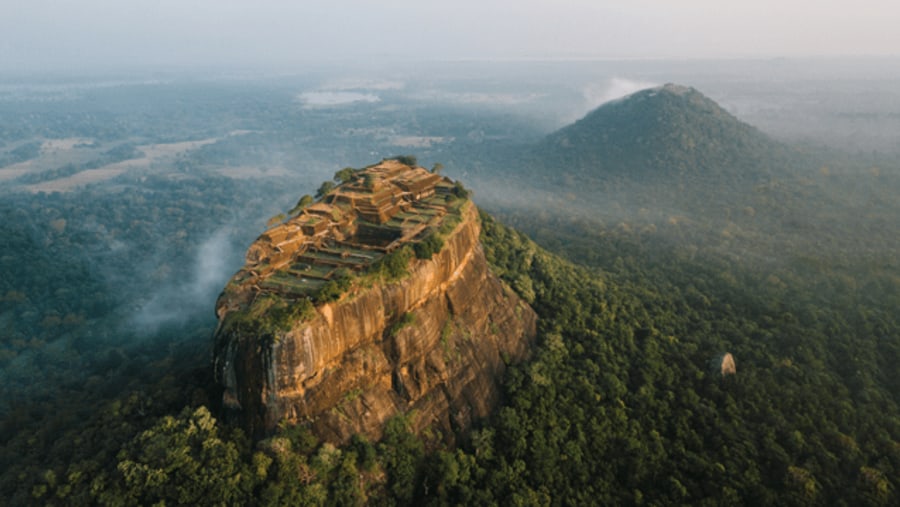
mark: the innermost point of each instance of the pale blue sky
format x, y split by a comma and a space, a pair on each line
47, 34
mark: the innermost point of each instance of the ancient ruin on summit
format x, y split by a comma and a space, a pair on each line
379, 209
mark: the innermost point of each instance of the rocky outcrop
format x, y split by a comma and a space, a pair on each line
723, 365
433, 344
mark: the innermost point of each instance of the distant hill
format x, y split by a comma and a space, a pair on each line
670, 131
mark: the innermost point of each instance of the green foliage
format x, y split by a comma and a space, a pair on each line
304, 201
674, 134
796, 277
344, 175
270, 315
124, 151
59, 276
432, 244
622, 368
394, 265
449, 223
324, 189
23, 152
409, 160
405, 320
293, 478
365, 452
183, 460
616, 406
460, 191
287, 313
277, 219
333, 289
401, 454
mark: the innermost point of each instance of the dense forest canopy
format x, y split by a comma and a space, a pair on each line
641, 283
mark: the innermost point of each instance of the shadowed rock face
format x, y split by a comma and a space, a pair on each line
351, 366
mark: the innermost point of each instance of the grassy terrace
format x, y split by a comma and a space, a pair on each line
396, 223
289, 284
429, 212
437, 200
311, 270
316, 272
419, 215
357, 253
330, 259
379, 235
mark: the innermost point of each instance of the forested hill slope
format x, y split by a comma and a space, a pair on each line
621, 407
706, 237
373, 302
665, 132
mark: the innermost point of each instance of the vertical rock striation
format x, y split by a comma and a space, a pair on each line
433, 344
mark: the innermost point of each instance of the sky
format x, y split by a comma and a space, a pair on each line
72, 34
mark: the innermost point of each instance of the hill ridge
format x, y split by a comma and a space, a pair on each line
666, 131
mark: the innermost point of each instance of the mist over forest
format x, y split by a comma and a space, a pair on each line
128, 200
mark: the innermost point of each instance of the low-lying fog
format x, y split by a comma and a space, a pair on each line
290, 130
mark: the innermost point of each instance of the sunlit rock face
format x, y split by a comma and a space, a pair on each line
433, 343
723, 364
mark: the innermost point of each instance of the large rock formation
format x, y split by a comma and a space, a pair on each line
429, 335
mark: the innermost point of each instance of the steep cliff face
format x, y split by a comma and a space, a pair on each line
433, 343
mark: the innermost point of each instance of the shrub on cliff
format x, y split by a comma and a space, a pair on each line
405, 320
460, 191
409, 160
334, 288
429, 246
304, 201
269, 315
394, 265
324, 188
344, 175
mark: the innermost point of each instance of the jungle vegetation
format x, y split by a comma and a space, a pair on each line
639, 279
617, 406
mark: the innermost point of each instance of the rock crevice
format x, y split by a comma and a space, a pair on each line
350, 367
